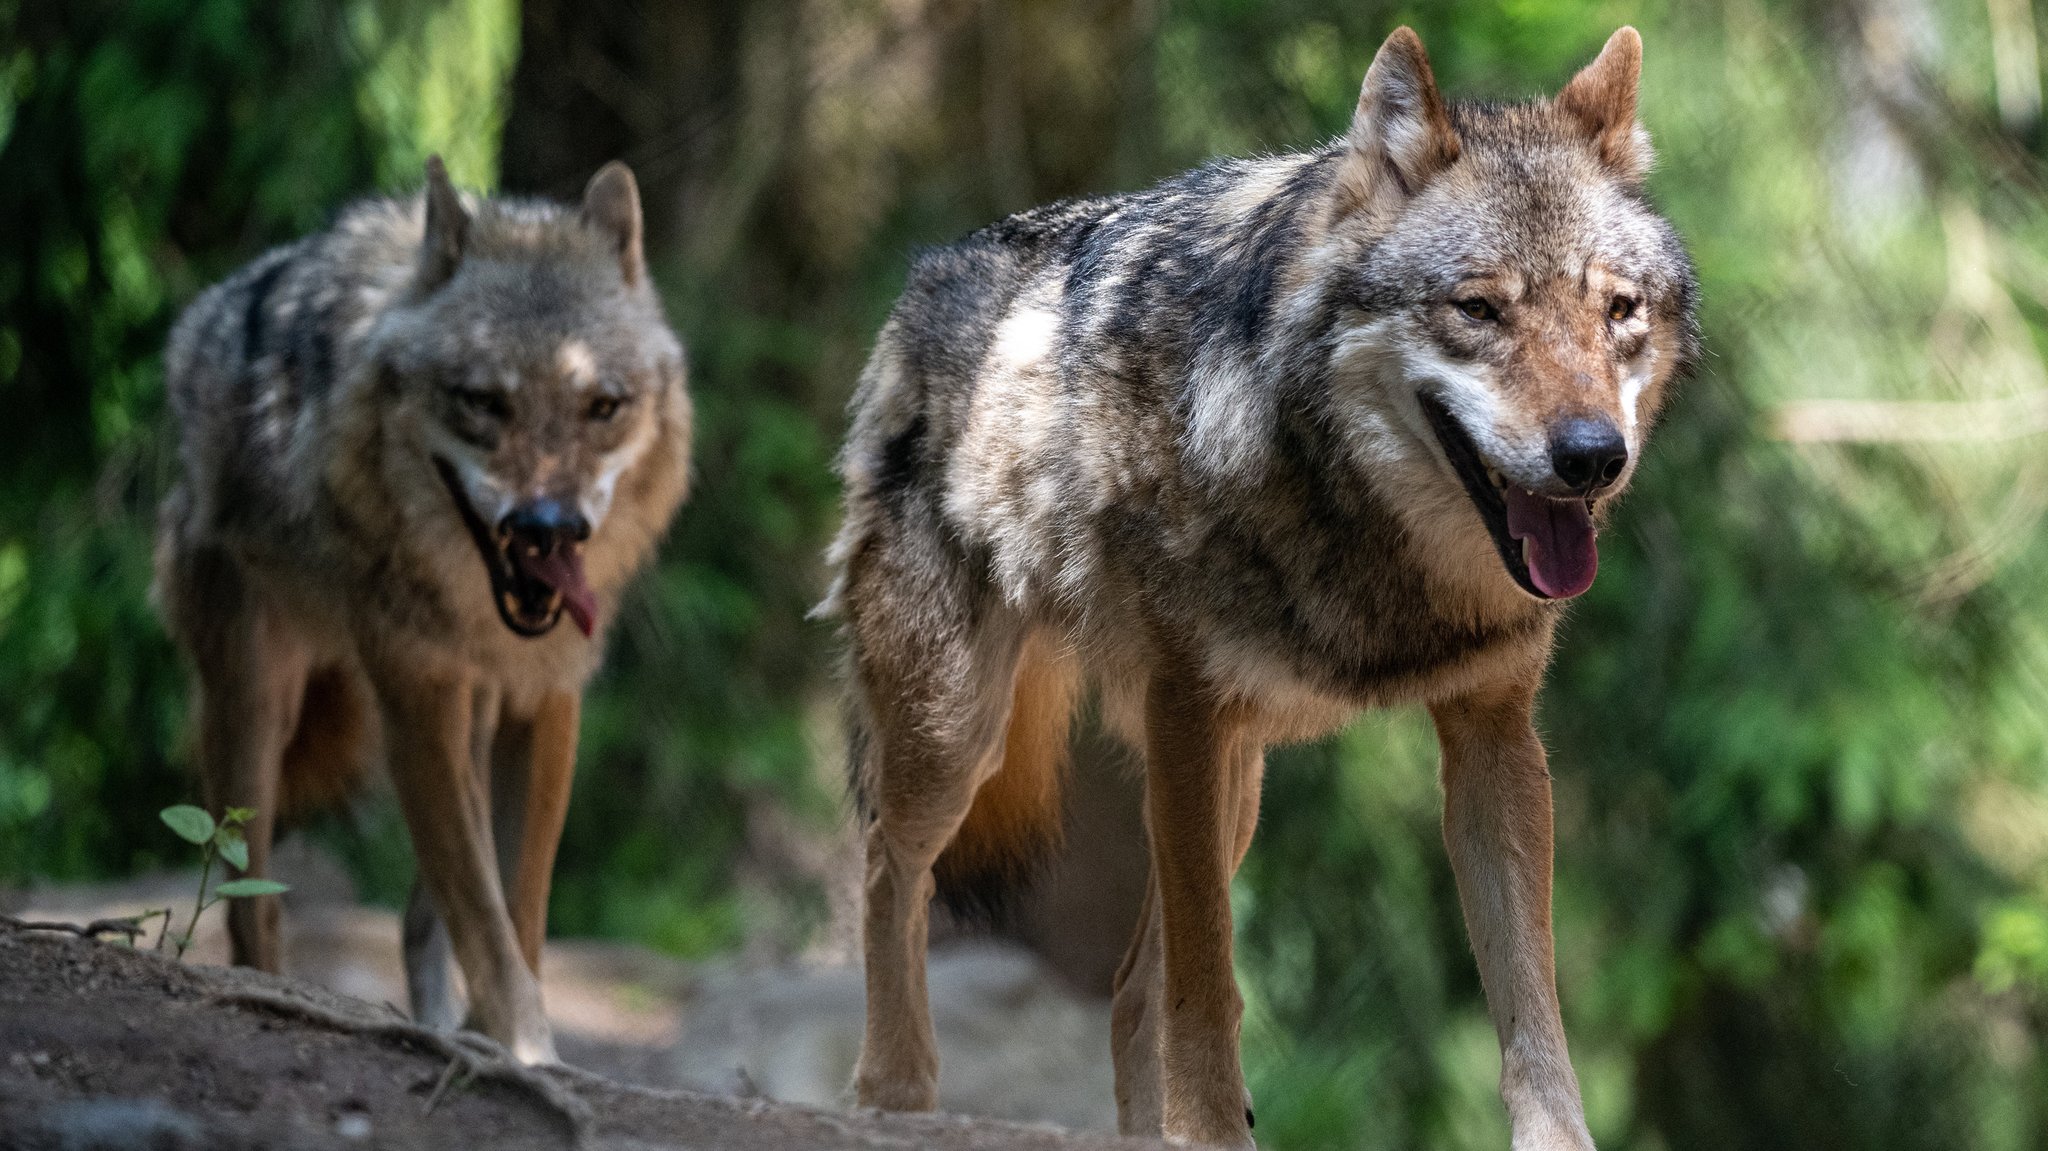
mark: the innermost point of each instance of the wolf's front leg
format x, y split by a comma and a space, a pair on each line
429, 721
533, 765
1497, 825
1191, 793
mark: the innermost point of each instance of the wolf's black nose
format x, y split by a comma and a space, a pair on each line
1588, 452
546, 523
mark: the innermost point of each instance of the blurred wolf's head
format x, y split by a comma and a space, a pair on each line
528, 371
1506, 276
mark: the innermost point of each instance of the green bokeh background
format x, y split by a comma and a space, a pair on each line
1799, 727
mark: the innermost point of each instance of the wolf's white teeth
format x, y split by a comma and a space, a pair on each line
1525, 551
1499, 481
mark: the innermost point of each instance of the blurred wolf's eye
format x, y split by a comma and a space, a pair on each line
1477, 308
483, 402
1621, 308
603, 408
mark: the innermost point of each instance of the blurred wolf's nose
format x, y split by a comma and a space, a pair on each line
1588, 452
545, 524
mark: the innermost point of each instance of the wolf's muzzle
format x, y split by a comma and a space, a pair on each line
1587, 453
543, 525
534, 555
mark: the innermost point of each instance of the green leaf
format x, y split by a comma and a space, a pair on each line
238, 888
237, 816
192, 824
233, 847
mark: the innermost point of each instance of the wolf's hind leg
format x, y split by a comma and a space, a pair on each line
1497, 825
1195, 764
1134, 1025
936, 702
429, 960
1135, 1010
251, 681
429, 955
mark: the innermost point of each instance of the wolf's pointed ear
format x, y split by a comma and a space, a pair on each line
447, 228
1401, 135
611, 204
1602, 98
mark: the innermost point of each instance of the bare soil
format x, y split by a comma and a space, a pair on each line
106, 1046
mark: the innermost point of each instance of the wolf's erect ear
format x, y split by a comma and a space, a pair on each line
447, 228
611, 204
1401, 135
1602, 98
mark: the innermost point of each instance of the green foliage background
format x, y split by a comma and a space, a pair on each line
1799, 727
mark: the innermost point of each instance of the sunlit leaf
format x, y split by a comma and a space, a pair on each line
191, 823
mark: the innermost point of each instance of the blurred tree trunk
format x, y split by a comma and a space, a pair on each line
790, 156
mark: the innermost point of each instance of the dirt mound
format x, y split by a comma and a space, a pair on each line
110, 1047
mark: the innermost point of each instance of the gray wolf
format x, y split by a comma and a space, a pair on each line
409, 445
1268, 443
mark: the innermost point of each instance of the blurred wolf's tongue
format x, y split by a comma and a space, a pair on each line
1558, 542
562, 570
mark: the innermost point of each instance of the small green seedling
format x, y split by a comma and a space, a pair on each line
222, 840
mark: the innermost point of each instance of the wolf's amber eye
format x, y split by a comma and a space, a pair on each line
603, 408
1478, 308
1621, 309
484, 402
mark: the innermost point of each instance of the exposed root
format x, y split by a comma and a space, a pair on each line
471, 1057
128, 926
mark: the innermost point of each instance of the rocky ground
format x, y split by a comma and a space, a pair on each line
106, 1046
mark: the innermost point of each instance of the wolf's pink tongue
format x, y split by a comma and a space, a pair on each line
1561, 554
562, 570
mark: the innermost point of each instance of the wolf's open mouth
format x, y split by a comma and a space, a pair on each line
531, 586
1546, 544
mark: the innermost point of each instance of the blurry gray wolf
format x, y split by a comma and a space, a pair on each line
409, 445
1270, 442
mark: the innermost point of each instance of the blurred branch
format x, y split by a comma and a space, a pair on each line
1910, 421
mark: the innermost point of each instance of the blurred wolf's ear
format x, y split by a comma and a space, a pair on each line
447, 228
1602, 98
611, 204
1401, 136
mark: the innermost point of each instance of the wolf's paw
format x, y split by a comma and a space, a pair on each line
1543, 1133
1222, 1126
897, 1092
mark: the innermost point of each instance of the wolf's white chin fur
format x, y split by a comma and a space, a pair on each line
486, 495
1380, 369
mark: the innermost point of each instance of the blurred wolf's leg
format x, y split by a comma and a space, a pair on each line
429, 978
533, 764
431, 722
251, 682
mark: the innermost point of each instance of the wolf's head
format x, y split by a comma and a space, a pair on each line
529, 369
1506, 278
